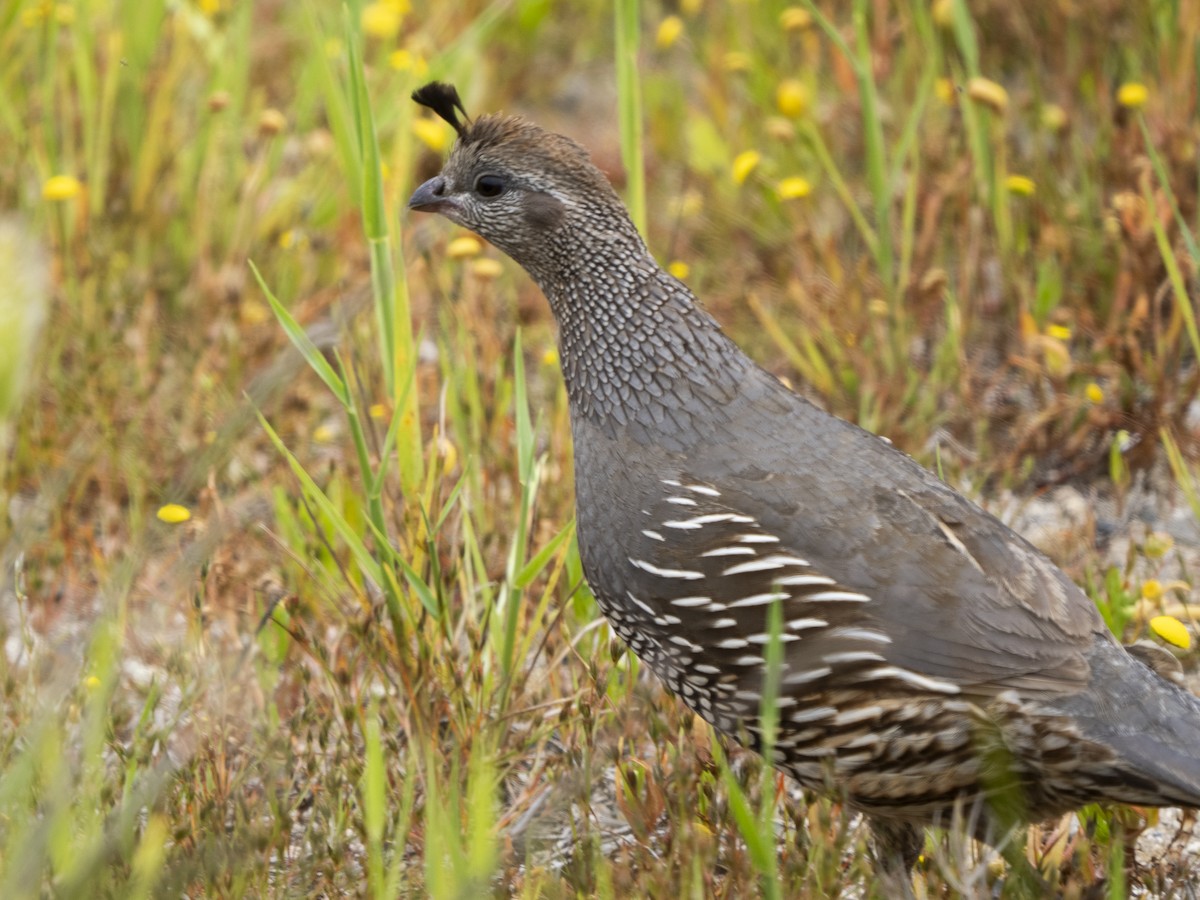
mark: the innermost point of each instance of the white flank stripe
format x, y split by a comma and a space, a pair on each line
749, 661
766, 638
682, 501
685, 574
732, 644
755, 565
707, 669
801, 624
761, 599
723, 623
653, 535
647, 608
813, 714
680, 641
702, 489
852, 656
729, 551
803, 581
691, 601
854, 716
698, 521
929, 684
860, 634
832, 596
758, 539
806, 677
670, 482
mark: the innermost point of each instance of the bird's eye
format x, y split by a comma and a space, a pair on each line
489, 186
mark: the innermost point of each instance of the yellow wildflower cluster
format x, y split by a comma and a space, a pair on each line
382, 19
745, 163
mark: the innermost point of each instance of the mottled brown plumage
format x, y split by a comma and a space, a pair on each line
931, 656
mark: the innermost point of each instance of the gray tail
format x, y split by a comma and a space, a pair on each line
1152, 725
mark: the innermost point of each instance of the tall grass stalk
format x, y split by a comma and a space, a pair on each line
629, 108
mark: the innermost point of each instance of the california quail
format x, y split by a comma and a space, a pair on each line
931, 656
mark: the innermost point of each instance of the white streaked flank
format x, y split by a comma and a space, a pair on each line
686, 574
682, 501
723, 623
760, 599
913, 678
860, 634
798, 678
803, 581
691, 601
758, 539
653, 535
731, 644
834, 596
729, 551
801, 624
851, 656
749, 661
859, 714
812, 714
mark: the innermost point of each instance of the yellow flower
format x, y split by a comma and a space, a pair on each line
253, 312
679, 269
550, 356
988, 93
669, 30
382, 19
271, 122
1019, 184
943, 13
486, 268
1095, 393
1171, 630
173, 513
1054, 117
1059, 332
407, 61
791, 98
794, 188
449, 454
690, 7
745, 163
795, 18
64, 14
61, 187
324, 434
463, 247
431, 132
735, 61
1152, 589
1158, 544
377, 411
91, 682
944, 89
1132, 95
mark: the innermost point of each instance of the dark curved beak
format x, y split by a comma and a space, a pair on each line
431, 196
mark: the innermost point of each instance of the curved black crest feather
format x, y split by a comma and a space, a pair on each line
443, 99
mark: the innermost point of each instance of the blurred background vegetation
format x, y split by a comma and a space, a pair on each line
290, 604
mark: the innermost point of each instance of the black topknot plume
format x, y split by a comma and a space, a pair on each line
443, 99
